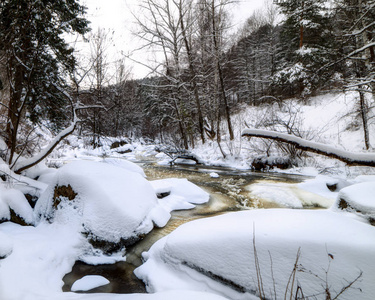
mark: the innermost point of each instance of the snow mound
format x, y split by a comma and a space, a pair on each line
15, 201
358, 198
108, 202
217, 254
89, 282
181, 193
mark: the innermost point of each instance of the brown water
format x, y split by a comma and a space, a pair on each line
227, 193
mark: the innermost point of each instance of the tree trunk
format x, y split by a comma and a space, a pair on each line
220, 72
359, 159
364, 109
193, 74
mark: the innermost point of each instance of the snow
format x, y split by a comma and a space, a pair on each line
179, 194
109, 198
127, 165
359, 197
6, 245
111, 203
40, 258
223, 247
15, 200
116, 201
89, 282
319, 147
169, 295
214, 175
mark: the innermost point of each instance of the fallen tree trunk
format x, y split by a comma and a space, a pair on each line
359, 159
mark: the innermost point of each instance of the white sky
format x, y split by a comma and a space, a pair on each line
116, 15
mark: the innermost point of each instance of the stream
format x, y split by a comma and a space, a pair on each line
228, 192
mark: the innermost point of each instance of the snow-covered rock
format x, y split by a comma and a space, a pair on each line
358, 198
181, 193
175, 194
89, 282
107, 202
217, 254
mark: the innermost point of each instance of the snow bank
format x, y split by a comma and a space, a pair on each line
334, 247
40, 258
110, 202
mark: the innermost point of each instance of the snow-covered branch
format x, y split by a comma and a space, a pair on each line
28, 163
361, 159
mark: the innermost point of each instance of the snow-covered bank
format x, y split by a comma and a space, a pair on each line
217, 255
106, 200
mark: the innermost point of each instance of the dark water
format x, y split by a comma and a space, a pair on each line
227, 193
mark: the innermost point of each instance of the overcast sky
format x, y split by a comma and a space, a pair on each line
115, 15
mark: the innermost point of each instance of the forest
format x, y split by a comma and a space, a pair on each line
196, 181
296, 48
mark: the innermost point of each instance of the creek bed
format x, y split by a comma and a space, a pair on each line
227, 193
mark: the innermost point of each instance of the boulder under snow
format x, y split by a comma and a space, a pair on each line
107, 202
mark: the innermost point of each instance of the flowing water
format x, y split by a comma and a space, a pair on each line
228, 192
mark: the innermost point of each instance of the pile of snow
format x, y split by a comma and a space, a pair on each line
12, 199
358, 198
89, 282
111, 203
217, 254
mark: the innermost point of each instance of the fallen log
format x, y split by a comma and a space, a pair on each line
351, 158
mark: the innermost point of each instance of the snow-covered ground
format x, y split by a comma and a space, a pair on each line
107, 197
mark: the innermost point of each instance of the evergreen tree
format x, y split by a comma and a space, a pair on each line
356, 26
37, 60
307, 40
